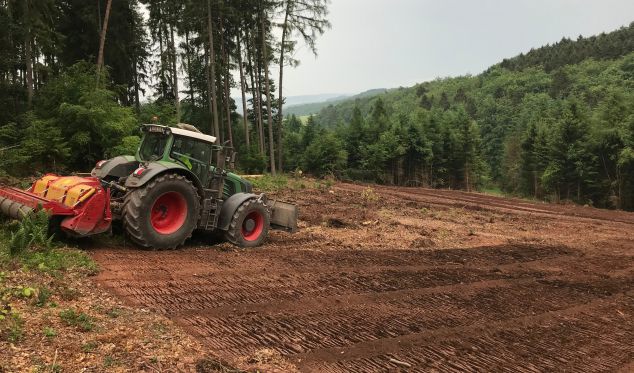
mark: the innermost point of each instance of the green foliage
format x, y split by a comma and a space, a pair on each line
26, 292
114, 312
80, 320
109, 362
546, 125
325, 155
369, 195
49, 332
59, 259
43, 295
32, 233
89, 346
568, 52
11, 326
74, 123
268, 183
252, 161
159, 112
128, 146
27, 242
89, 117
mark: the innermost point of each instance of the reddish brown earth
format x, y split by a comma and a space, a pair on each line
403, 279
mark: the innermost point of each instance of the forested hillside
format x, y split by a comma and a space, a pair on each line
555, 123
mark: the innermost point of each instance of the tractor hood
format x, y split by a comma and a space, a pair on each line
120, 166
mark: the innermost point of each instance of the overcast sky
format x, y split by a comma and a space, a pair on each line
391, 43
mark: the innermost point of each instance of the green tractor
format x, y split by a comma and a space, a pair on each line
175, 183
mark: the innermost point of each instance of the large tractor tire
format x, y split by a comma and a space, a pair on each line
163, 213
249, 225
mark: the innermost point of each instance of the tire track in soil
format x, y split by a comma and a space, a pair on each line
178, 293
310, 314
477, 201
555, 341
331, 308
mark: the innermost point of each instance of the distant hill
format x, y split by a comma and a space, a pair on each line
316, 106
306, 99
556, 122
604, 46
299, 100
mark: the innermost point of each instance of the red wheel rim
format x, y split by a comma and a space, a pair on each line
252, 226
169, 212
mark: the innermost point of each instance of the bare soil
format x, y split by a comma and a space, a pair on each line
383, 278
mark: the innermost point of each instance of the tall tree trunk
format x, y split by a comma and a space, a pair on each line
280, 98
268, 93
14, 70
162, 64
255, 87
212, 74
466, 175
228, 109
173, 64
227, 93
258, 84
102, 37
244, 96
137, 103
99, 15
208, 93
619, 183
28, 53
189, 68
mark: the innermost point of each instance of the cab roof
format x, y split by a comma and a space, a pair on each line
182, 132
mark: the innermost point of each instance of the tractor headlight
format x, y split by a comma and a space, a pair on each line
100, 164
139, 172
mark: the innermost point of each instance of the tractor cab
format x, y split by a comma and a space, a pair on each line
191, 149
198, 153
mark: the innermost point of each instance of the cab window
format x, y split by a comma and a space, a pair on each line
153, 146
192, 153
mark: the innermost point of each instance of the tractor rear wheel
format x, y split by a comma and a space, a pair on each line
163, 213
249, 225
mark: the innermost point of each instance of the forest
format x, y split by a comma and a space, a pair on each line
556, 123
77, 78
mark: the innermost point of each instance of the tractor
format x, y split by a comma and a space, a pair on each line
174, 184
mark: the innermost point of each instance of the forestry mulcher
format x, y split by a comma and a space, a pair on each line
175, 183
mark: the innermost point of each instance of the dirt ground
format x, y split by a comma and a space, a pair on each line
382, 278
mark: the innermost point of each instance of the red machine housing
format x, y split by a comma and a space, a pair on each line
81, 202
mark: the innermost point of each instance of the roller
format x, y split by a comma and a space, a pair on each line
13, 209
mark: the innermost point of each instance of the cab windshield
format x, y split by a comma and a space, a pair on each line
153, 146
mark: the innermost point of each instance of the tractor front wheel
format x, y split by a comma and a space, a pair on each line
249, 225
163, 213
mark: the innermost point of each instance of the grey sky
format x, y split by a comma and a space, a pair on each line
391, 43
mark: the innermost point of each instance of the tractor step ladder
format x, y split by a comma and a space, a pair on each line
209, 216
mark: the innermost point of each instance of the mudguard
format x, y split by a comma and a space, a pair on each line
153, 169
230, 206
120, 166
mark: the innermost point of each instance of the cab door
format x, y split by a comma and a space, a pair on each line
194, 154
